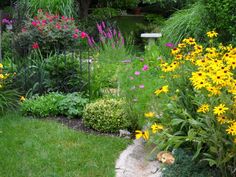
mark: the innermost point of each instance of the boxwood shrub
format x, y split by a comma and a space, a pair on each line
106, 115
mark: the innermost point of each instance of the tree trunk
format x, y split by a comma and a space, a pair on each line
84, 7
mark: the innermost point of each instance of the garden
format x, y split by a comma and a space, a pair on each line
78, 85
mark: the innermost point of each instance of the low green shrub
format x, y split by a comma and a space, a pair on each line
184, 166
72, 105
64, 73
106, 115
53, 104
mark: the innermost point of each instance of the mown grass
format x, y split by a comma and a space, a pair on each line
33, 148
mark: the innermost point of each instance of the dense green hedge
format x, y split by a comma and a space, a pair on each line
221, 16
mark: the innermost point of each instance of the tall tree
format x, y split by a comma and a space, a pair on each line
83, 7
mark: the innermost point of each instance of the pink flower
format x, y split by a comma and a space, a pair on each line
103, 24
34, 23
170, 45
58, 26
83, 35
23, 30
75, 36
141, 86
137, 73
76, 31
35, 45
145, 68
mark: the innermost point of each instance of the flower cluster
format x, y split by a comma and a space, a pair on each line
7, 21
3, 77
107, 36
213, 76
195, 102
155, 128
50, 32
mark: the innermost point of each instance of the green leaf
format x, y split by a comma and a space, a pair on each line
177, 121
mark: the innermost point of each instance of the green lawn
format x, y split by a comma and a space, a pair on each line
36, 148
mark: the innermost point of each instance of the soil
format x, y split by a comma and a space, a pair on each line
77, 124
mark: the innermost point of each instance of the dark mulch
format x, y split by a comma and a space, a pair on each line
77, 124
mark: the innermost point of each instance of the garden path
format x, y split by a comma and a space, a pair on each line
133, 162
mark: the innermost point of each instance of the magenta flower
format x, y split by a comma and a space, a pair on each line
34, 23
141, 86
75, 36
99, 27
58, 26
170, 45
145, 68
83, 35
76, 31
137, 73
103, 24
35, 45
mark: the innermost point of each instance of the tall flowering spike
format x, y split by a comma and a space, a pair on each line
35, 45
114, 32
99, 27
90, 41
103, 24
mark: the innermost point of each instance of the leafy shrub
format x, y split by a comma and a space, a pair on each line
106, 115
65, 73
104, 13
155, 19
54, 104
22, 43
50, 33
7, 44
184, 166
218, 18
42, 106
72, 105
8, 96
